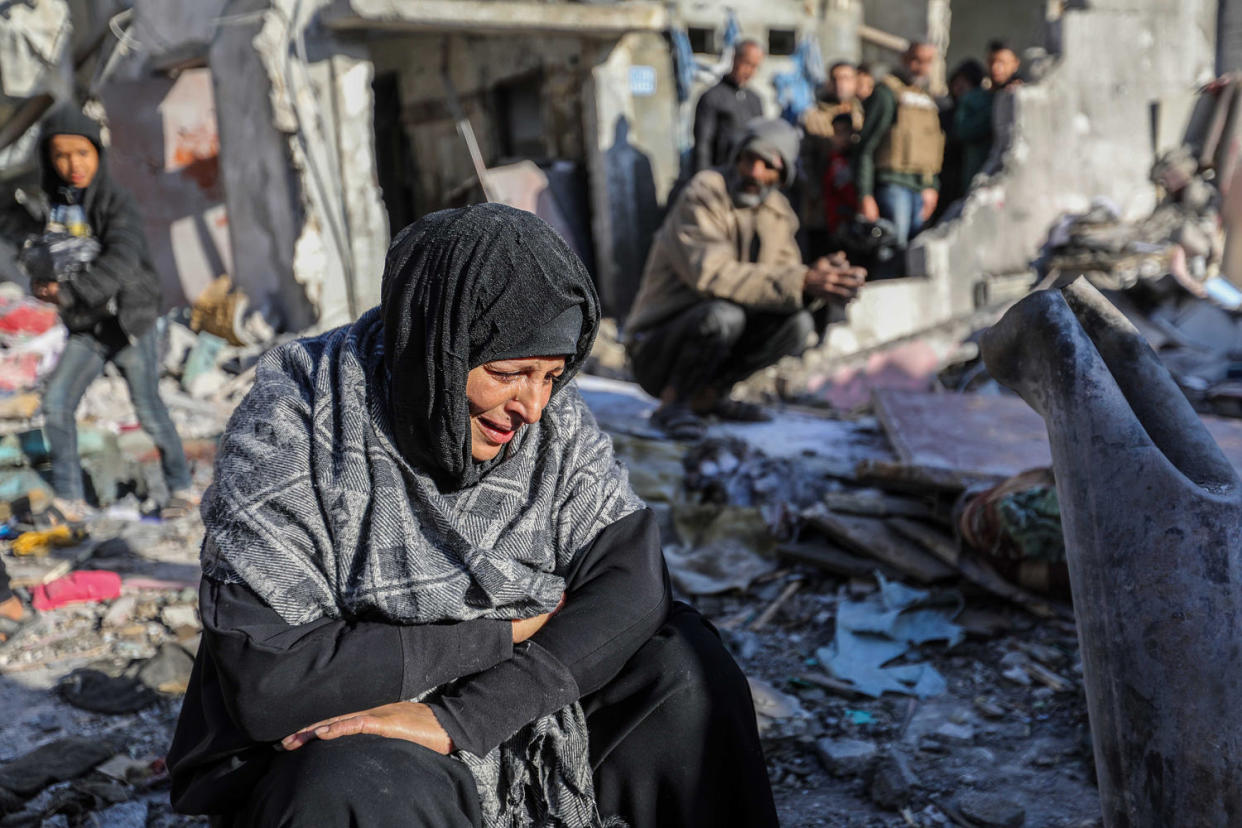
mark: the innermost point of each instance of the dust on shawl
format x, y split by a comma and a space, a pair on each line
344, 485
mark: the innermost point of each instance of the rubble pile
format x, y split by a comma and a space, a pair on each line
93, 681
204, 377
901, 676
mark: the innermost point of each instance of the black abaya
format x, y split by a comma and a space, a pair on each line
673, 743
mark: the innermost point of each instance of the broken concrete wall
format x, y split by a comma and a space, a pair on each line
486, 71
298, 169
165, 150
632, 160
605, 105
309, 131
838, 31
759, 20
1082, 133
1020, 23
925, 20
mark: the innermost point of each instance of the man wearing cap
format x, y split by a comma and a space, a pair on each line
724, 292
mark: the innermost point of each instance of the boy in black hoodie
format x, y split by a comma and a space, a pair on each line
109, 306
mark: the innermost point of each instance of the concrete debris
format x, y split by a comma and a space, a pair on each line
846, 757
725, 549
894, 782
990, 810
1127, 443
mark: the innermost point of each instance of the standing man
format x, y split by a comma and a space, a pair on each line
109, 306
901, 147
724, 110
725, 292
864, 82
838, 98
1003, 66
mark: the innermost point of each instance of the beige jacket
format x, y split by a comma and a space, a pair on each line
702, 252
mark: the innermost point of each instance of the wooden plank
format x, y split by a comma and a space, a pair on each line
873, 538
874, 503
833, 560
978, 571
971, 435
901, 477
940, 544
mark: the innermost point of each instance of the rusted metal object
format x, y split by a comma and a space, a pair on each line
1152, 515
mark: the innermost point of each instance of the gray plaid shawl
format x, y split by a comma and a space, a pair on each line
315, 510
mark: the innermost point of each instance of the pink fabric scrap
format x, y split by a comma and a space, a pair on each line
84, 586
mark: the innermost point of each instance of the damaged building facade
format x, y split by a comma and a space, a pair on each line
337, 121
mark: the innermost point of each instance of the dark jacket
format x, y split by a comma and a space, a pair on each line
122, 282
719, 119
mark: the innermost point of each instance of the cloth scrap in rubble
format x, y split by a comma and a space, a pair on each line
727, 548
27, 317
83, 586
880, 629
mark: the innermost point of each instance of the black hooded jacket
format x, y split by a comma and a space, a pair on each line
122, 281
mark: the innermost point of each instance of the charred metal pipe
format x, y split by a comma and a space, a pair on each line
1152, 516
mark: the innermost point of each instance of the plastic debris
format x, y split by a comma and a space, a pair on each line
883, 627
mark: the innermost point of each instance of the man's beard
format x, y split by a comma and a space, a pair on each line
745, 197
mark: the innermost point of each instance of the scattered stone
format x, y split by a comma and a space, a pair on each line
124, 768
168, 671
180, 616
893, 784
989, 708
846, 757
125, 815
953, 732
991, 810
771, 702
54, 762
1018, 676
121, 611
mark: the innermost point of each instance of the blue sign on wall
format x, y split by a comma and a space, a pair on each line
642, 81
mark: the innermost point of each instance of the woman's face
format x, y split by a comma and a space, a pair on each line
506, 395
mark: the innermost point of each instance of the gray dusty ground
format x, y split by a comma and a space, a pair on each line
1008, 738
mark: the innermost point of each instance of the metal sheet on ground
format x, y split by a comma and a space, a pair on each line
988, 436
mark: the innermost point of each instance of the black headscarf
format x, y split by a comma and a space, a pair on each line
461, 288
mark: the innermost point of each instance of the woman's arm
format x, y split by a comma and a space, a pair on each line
279, 677
617, 596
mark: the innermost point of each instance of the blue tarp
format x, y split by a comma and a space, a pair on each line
795, 89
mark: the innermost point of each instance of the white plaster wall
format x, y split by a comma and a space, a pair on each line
1083, 132
755, 17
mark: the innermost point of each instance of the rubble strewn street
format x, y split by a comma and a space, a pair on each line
1000, 725
916, 325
